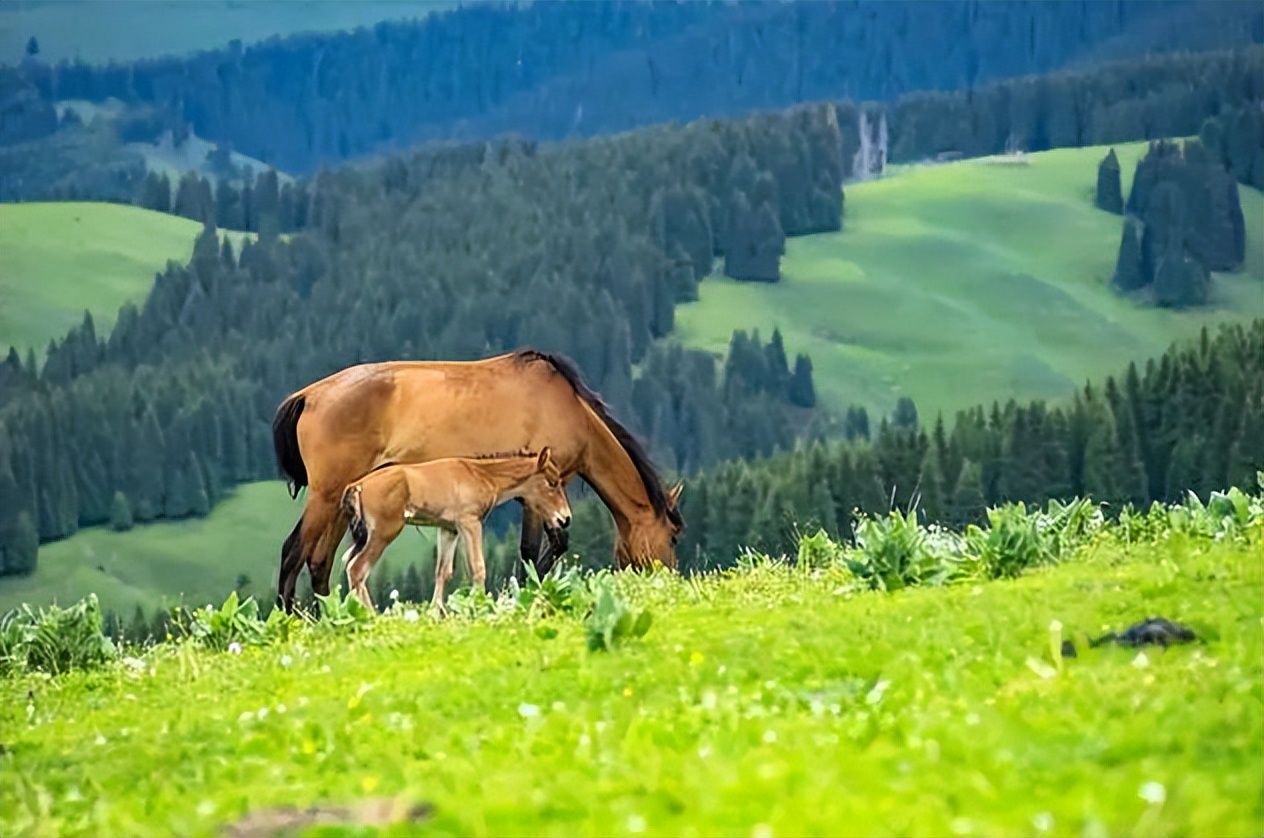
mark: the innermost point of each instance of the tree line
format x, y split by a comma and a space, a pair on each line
556, 70
451, 252
1191, 420
1138, 98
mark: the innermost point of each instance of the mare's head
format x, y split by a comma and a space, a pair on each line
545, 495
652, 536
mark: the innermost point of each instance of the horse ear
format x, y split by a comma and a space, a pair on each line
673, 495
543, 460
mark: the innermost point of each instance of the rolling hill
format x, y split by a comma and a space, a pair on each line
961, 283
129, 31
61, 258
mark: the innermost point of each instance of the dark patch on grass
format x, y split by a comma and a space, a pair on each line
1155, 631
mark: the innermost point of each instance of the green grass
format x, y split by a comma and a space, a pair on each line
962, 283
125, 30
61, 258
196, 560
762, 703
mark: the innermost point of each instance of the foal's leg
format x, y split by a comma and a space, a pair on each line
351, 562
445, 556
472, 536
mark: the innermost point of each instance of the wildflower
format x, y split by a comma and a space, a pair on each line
234, 648
411, 615
528, 711
1152, 792
394, 595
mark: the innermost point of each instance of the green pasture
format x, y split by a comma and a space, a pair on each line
765, 702
60, 258
961, 283
194, 561
125, 30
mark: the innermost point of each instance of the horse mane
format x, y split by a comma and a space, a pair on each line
634, 447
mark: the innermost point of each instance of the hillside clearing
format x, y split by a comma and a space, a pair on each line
759, 703
961, 283
61, 258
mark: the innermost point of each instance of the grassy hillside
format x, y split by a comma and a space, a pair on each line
63, 257
961, 283
197, 559
124, 29
763, 702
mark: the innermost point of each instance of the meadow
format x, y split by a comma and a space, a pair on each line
62, 258
775, 699
194, 561
961, 283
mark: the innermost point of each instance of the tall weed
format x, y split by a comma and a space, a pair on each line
54, 639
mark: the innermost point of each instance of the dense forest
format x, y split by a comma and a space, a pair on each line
553, 70
1191, 420
252, 100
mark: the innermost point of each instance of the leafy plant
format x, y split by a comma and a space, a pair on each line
893, 553
560, 591
343, 613
54, 639
235, 621
1012, 543
612, 620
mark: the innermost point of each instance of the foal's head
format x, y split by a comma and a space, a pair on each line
544, 494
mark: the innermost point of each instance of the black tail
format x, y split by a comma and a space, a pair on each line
355, 517
285, 442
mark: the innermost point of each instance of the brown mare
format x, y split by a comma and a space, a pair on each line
333, 432
453, 494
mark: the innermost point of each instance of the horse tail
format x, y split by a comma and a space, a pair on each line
285, 442
351, 504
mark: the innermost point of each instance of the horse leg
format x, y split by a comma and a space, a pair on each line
445, 557
291, 566
556, 542
361, 566
472, 536
357, 570
328, 526
528, 545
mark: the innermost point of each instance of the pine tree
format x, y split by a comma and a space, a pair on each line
967, 505
1129, 275
120, 513
1110, 195
802, 393
20, 551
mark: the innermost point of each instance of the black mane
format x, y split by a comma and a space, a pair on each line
635, 449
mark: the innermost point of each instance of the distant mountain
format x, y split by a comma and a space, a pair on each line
550, 70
